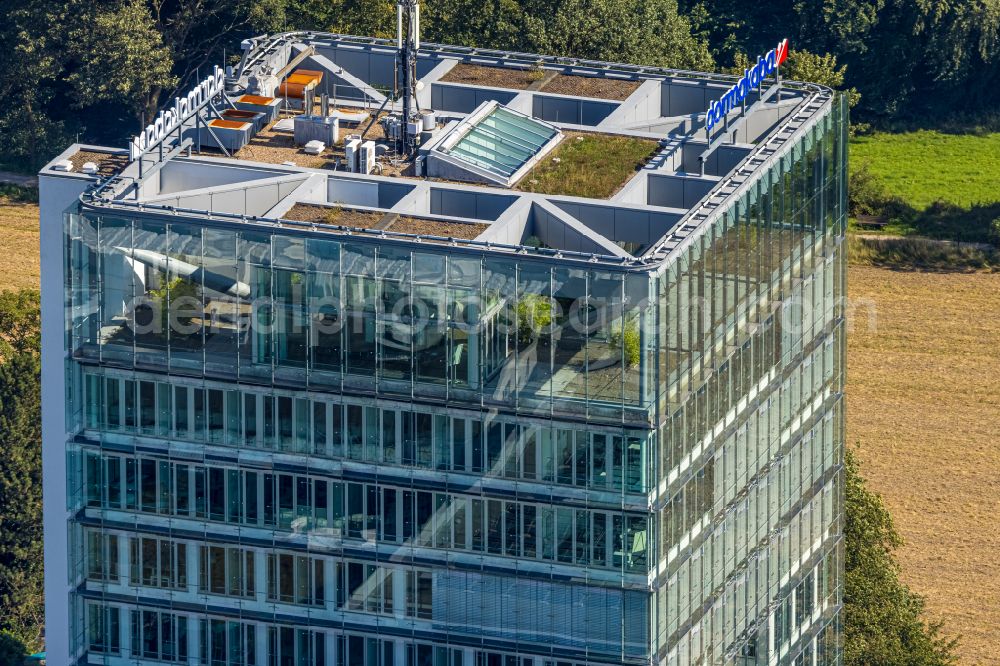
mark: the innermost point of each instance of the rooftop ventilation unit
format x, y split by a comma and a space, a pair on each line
319, 128
314, 147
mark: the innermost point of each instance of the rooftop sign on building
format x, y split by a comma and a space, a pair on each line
172, 117
751, 79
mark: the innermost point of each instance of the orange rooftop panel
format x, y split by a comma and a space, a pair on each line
228, 124
255, 99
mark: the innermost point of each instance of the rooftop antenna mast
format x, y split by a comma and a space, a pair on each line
408, 43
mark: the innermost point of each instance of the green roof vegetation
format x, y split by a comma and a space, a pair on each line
589, 165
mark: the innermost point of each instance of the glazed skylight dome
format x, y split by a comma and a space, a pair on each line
503, 141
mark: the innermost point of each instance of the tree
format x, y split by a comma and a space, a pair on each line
625, 335
29, 132
117, 55
645, 32
867, 193
20, 323
375, 18
12, 650
883, 619
932, 59
173, 300
822, 69
499, 23
534, 316
908, 60
94, 66
21, 585
198, 33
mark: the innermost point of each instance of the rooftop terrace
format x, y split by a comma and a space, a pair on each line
518, 152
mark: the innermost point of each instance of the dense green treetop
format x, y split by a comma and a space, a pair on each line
21, 586
910, 60
12, 650
96, 68
20, 323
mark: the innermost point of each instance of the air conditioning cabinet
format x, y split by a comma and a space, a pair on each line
352, 146
366, 157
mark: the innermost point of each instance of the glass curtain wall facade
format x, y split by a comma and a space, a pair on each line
301, 448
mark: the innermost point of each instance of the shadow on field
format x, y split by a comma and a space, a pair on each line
979, 223
10, 193
922, 254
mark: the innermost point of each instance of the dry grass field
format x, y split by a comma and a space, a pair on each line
923, 397
18, 245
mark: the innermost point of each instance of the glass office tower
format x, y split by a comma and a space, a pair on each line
294, 447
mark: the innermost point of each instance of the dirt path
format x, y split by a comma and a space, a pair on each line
18, 179
923, 399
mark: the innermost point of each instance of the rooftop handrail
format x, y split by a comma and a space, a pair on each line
100, 204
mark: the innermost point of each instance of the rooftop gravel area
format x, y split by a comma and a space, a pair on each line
345, 217
591, 86
541, 80
365, 219
445, 228
493, 77
108, 164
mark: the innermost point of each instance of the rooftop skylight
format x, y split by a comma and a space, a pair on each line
494, 144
